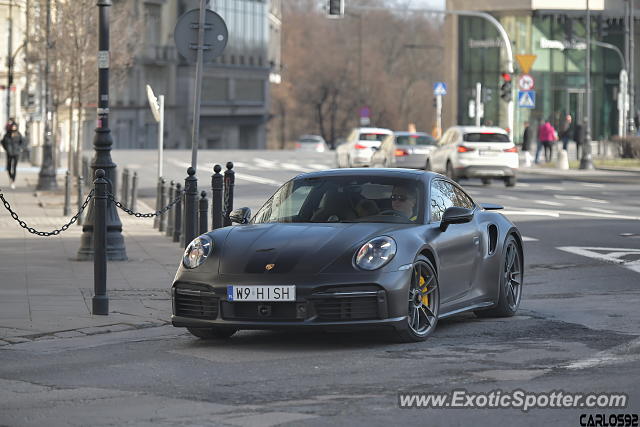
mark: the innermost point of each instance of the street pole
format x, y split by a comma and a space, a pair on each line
9, 59
102, 143
439, 114
632, 79
479, 106
47, 175
195, 130
586, 161
160, 136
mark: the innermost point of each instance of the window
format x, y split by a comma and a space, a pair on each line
462, 200
249, 90
373, 136
415, 140
443, 196
215, 89
486, 137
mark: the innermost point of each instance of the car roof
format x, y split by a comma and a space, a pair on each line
390, 172
375, 130
480, 129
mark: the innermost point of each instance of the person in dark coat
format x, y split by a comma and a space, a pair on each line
567, 131
578, 137
526, 137
12, 144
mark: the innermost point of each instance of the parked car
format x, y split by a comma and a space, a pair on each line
384, 156
360, 146
412, 149
311, 143
394, 249
476, 152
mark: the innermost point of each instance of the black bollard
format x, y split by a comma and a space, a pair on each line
177, 223
156, 220
161, 203
203, 209
190, 206
124, 196
172, 212
100, 301
134, 191
80, 199
229, 183
216, 198
67, 194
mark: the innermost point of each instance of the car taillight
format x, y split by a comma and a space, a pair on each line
464, 149
511, 150
400, 152
298, 145
360, 146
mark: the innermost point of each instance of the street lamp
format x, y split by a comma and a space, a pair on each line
102, 145
47, 175
586, 161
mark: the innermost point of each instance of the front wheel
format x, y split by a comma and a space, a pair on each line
510, 181
423, 303
215, 332
511, 275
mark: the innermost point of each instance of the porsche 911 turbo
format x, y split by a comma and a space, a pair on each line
352, 248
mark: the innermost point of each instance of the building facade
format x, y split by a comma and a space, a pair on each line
235, 87
553, 31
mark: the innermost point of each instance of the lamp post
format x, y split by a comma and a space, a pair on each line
47, 175
102, 143
586, 161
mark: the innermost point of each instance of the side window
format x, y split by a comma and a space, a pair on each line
462, 200
442, 197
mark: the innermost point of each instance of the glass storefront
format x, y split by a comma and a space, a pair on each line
558, 70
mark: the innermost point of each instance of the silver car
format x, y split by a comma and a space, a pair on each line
412, 149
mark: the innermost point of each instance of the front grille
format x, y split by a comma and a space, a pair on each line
336, 308
195, 303
266, 311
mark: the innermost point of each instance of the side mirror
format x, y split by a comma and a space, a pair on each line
240, 215
455, 215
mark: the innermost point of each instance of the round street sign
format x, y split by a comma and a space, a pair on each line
215, 35
525, 82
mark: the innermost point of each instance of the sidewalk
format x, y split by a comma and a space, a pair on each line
45, 293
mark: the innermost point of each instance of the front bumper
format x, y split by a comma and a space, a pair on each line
324, 305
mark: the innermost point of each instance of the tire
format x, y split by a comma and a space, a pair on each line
510, 181
511, 275
424, 286
486, 181
427, 167
212, 333
451, 174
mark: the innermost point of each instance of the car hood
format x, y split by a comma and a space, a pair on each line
295, 248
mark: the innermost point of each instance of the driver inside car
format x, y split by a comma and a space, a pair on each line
404, 200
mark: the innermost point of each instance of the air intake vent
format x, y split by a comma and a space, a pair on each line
195, 304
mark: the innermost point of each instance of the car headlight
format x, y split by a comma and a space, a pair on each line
197, 251
376, 253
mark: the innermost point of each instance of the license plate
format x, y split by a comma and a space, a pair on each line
488, 153
261, 293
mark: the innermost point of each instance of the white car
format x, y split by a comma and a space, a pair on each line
311, 143
476, 152
359, 147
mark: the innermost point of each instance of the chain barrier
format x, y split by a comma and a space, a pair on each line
32, 230
146, 215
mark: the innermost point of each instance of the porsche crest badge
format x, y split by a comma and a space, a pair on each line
269, 267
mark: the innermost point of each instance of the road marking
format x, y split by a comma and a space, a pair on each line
610, 255
557, 213
589, 184
504, 196
266, 163
546, 202
319, 167
532, 212
257, 179
529, 239
605, 211
523, 184
628, 352
586, 199
291, 166
552, 187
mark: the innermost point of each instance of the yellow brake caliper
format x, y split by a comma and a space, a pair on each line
425, 298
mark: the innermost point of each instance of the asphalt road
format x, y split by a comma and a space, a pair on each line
577, 331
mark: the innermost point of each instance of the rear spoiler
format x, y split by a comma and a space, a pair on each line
491, 206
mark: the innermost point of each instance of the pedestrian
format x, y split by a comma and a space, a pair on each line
9, 124
12, 144
526, 143
566, 131
578, 137
546, 137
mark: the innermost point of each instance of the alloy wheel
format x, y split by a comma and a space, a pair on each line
423, 299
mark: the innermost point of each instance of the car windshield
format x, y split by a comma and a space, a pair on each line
310, 140
345, 199
415, 140
485, 137
373, 136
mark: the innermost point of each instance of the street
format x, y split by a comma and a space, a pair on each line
577, 329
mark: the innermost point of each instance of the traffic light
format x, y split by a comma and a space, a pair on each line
505, 88
335, 8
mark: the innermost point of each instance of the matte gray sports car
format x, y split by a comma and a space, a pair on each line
349, 248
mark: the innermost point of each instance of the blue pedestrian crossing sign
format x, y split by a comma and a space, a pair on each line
527, 99
439, 88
